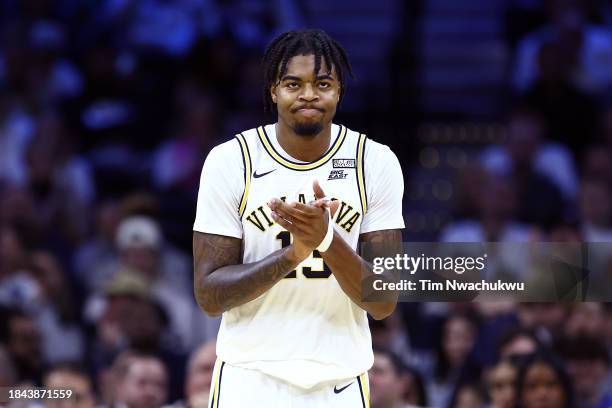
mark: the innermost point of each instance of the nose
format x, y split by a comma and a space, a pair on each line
308, 93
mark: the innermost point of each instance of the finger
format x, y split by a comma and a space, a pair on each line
292, 213
318, 191
326, 203
333, 206
274, 203
311, 210
292, 228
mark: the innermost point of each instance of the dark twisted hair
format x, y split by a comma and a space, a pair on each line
303, 42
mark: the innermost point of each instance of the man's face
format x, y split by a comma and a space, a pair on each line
24, 341
82, 396
386, 387
144, 385
306, 102
588, 376
199, 376
143, 260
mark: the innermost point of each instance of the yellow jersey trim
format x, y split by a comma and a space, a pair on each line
265, 141
366, 387
361, 185
246, 160
216, 374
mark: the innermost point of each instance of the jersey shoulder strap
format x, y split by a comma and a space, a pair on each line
248, 171
361, 183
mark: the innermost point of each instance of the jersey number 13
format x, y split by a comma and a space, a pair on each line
309, 272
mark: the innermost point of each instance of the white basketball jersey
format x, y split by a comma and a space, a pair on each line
305, 329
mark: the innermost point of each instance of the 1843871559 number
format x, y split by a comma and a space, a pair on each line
33, 393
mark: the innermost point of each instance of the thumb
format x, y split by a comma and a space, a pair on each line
333, 207
318, 191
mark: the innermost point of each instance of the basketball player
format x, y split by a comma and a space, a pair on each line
281, 209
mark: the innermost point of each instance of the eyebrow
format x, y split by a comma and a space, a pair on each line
290, 78
294, 78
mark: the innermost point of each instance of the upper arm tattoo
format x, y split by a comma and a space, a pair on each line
380, 243
381, 237
212, 251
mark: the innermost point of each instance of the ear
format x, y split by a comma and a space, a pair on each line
273, 93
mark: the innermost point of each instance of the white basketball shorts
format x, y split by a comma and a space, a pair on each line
235, 387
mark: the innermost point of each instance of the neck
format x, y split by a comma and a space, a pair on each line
304, 148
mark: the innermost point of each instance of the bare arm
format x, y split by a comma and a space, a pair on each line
348, 266
222, 282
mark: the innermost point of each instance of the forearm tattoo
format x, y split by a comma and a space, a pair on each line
221, 282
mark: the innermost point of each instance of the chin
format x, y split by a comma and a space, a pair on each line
308, 128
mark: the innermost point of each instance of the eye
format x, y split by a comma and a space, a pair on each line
324, 85
293, 85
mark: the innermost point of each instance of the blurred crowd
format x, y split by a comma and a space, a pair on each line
107, 111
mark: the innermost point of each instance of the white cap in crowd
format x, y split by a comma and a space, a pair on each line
138, 232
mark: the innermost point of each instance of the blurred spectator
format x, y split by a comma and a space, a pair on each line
571, 115
388, 380
12, 252
458, 336
199, 377
545, 319
597, 162
36, 283
526, 150
415, 395
497, 217
588, 362
18, 210
8, 375
140, 249
177, 164
51, 78
56, 315
69, 376
587, 47
200, 374
543, 382
155, 25
500, 380
468, 395
255, 22
140, 246
16, 129
140, 381
60, 183
391, 334
129, 317
18, 287
497, 222
106, 112
23, 344
596, 210
516, 342
99, 249
585, 318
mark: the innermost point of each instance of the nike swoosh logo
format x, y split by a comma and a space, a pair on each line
339, 390
262, 174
